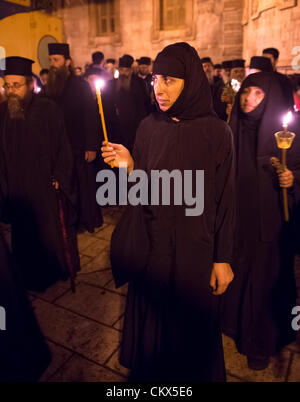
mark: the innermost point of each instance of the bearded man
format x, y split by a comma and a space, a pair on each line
36, 181
131, 100
74, 97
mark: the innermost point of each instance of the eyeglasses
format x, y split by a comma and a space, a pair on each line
16, 85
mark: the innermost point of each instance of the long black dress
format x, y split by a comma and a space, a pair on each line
258, 304
24, 354
33, 151
171, 328
77, 103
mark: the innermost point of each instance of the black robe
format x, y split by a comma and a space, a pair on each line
131, 108
33, 151
84, 132
171, 328
258, 304
24, 354
219, 106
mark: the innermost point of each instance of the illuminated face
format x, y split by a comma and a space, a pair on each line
238, 73
271, 57
167, 90
91, 79
58, 61
251, 97
109, 67
44, 78
144, 69
126, 71
16, 84
217, 72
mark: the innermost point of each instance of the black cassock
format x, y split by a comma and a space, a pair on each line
258, 304
171, 328
33, 151
78, 106
132, 107
219, 106
24, 355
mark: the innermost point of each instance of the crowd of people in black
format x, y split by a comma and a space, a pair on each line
229, 269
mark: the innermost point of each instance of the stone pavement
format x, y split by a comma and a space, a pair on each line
84, 329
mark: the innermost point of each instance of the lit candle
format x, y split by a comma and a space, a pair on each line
99, 84
284, 141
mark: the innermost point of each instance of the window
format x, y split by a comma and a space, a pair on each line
172, 14
105, 17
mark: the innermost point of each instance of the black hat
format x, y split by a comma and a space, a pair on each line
217, 66
227, 64
126, 61
237, 63
113, 61
261, 63
144, 60
59, 48
16, 65
206, 60
273, 51
93, 71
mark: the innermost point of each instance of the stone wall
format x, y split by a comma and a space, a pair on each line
213, 28
271, 23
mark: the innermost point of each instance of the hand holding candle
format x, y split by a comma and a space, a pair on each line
284, 141
99, 85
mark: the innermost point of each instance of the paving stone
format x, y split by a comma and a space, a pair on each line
84, 259
114, 364
59, 356
78, 369
294, 374
98, 304
106, 233
96, 248
236, 365
84, 241
54, 291
88, 338
102, 261
119, 324
97, 278
230, 378
122, 290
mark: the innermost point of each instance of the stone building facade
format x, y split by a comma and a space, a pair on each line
221, 29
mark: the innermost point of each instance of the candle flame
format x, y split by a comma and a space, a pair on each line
116, 74
287, 119
236, 85
99, 84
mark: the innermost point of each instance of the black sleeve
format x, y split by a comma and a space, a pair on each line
225, 200
93, 131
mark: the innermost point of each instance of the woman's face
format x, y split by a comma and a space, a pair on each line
251, 97
167, 90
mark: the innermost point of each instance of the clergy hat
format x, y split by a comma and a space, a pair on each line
144, 60
238, 63
206, 60
217, 66
273, 51
126, 61
112, 61
16, 65
227, 64
59, 48
261, 63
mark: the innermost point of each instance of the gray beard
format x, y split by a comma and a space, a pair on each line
123, 83
15, 107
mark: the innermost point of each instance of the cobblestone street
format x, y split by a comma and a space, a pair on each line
84, 329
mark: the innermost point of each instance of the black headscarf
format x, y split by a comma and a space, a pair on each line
180, 60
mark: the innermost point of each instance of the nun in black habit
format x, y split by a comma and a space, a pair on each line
171, 328
258, 305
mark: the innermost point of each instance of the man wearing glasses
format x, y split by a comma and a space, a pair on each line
36, 181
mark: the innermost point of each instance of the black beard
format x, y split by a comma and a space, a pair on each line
56, 81
123, 83
16, 106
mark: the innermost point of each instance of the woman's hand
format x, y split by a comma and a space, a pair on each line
117, 154
221, 276
286, 179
